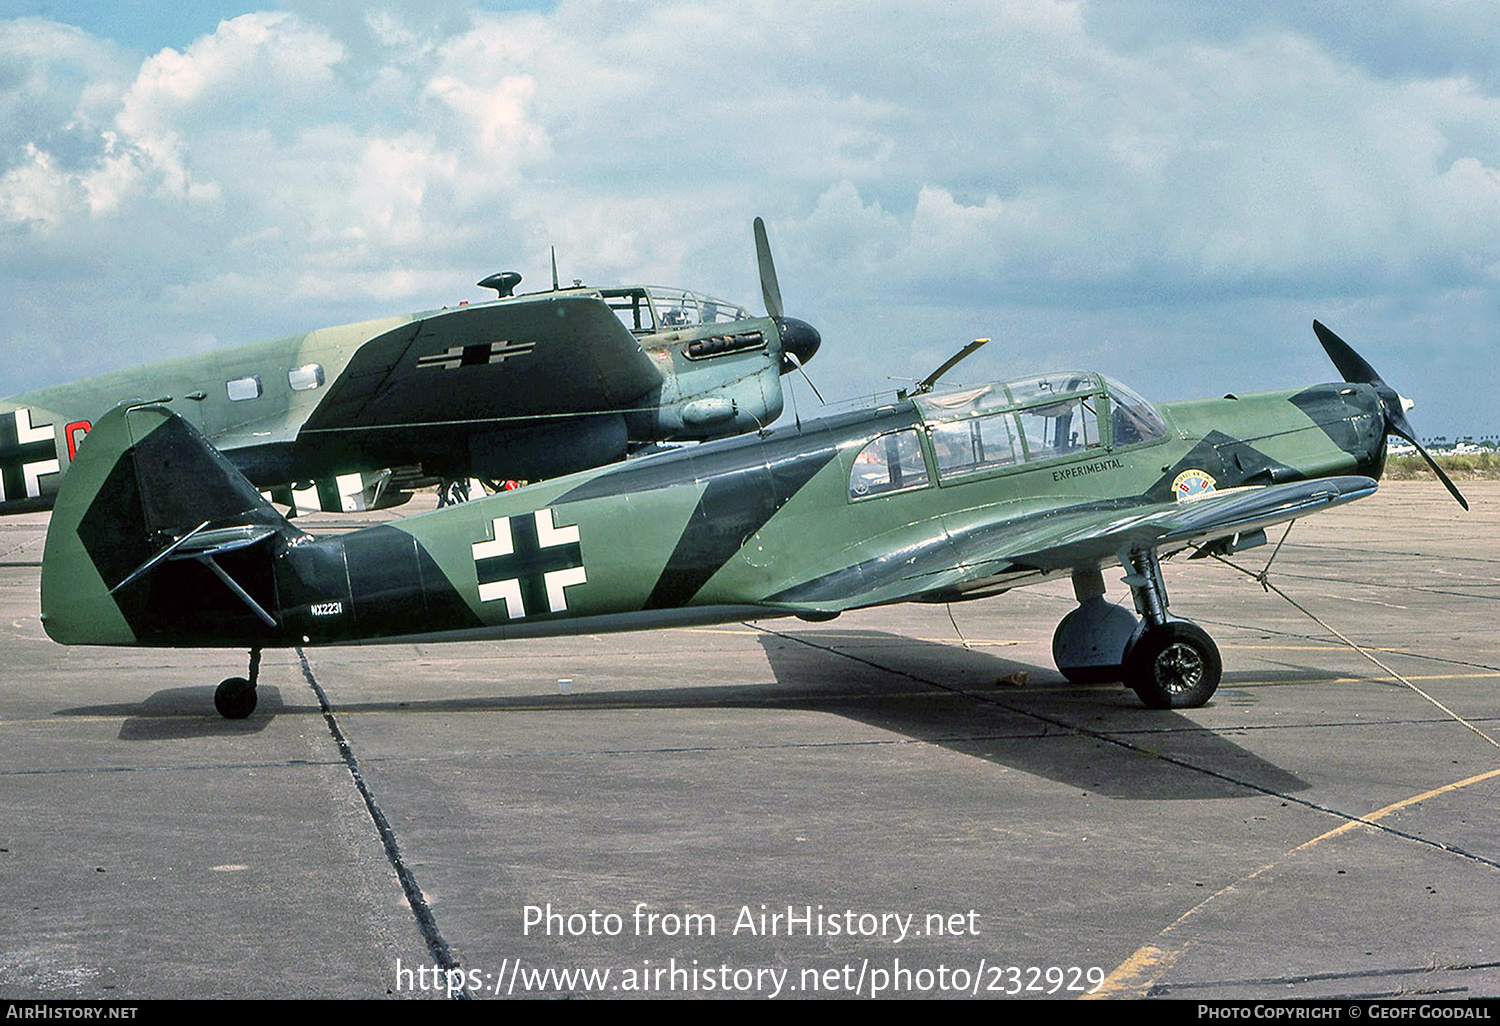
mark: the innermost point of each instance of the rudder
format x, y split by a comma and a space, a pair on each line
145, 510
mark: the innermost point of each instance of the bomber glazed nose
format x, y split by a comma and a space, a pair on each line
798, 338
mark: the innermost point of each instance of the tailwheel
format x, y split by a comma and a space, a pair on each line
1173, 665
235, 698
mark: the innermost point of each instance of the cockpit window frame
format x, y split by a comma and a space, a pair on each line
1156, 429
1103, 397
917, 483
633, 308
1014, 400
651, 309
1038, 411
980, 447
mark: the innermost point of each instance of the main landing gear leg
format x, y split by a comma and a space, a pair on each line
1171, 664
452, 491
235, 697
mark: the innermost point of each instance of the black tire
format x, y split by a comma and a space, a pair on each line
1174, 666
235, 698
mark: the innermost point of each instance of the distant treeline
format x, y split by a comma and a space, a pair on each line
1470, 466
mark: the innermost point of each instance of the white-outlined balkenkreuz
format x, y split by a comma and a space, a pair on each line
528, 564
21, 443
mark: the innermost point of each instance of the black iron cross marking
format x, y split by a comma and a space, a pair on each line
480, 355
529, 564
26, 453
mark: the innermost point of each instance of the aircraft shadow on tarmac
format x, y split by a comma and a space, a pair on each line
177, 713
1096, 738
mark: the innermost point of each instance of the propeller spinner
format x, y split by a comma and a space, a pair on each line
1356, 370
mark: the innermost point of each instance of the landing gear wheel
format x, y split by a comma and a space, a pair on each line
1175, 665
235, 698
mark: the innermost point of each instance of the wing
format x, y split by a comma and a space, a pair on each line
532, 356
994, 556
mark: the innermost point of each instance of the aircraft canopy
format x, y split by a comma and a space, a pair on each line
650, 308
1066, 402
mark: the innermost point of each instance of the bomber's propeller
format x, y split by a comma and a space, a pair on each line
770, 289
791, 356
799, 340
1355, 369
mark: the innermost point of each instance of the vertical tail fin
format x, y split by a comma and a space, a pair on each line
154, 534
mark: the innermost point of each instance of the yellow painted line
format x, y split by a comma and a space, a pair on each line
1380, 814
1135, 976
1330, 647
1148, 963
996, 642
1425, 676
857, 634
1008, 642
1361, 680
718, 630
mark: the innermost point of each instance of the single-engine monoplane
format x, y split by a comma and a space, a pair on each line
519, 387
158, 540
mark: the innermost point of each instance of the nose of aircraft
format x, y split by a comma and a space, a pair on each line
1393, 405
799, 339
1367, 428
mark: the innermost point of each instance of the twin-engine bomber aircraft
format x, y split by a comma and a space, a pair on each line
157, 540
529, 387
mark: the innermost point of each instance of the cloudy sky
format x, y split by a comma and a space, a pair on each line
1168, 191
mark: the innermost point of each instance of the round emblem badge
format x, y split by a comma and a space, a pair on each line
1190, 484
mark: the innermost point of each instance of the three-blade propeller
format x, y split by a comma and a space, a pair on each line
1356, 370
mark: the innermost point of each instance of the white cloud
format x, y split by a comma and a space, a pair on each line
34, 192
324, 162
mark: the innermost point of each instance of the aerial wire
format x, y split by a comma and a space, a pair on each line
1263, 576
949, 606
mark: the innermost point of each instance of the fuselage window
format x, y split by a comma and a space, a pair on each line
241, 389
890, 463
307, 376
979, 443
1060, 428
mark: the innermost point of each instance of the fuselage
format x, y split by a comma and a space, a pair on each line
241, 397
783, 521
523, 387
